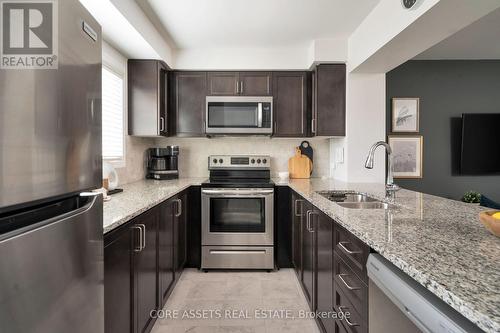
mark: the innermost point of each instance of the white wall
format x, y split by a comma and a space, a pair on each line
118, 31
328, 50
238, 58
145, 27
134, 167
391, 35
365, 124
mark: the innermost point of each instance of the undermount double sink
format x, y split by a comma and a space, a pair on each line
354, 200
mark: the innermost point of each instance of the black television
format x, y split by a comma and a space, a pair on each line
480, 143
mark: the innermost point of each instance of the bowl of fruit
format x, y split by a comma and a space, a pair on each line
491, 220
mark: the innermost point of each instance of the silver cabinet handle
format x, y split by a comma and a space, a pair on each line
241, 87
162, 124
347, 319
138, 249
237, 87
313, 125
309, 224
341, 277
179, 207
345, 249
295, 207
311, 221
143, 234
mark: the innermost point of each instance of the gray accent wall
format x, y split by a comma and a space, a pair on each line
447, 88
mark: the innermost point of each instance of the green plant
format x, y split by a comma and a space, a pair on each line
471, 197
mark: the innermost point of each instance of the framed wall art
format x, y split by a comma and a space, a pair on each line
405, 114
407, 156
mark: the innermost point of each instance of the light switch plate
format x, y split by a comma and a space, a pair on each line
339, 155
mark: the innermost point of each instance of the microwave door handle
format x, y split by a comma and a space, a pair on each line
259, 115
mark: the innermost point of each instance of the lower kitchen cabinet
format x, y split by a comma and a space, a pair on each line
283, 228
142, 261
308, 256
329, 262
145, 275
323, 228
180, 236
166, 265
117, 281
296, 217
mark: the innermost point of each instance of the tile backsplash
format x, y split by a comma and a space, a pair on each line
135, 159
194, 152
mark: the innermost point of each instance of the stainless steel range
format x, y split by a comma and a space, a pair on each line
237, 204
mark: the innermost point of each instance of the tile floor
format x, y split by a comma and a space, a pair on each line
230, 302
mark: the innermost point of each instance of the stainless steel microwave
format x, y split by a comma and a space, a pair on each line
239, 115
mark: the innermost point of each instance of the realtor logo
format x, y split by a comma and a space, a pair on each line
29, 34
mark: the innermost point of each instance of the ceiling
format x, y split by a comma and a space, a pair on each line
480, 40
256, 23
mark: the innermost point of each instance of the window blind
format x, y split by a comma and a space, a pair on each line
112, 115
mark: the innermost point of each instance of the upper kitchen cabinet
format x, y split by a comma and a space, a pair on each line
290, 103
223, 83
328, 100
255, 83
240, 83
147, 98
189, 90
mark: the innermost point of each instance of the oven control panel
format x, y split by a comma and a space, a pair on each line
239, 162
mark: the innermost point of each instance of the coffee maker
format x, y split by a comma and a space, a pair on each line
163, 163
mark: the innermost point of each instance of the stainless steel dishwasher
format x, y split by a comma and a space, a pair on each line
397, 303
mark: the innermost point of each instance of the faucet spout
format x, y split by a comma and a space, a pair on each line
389, 183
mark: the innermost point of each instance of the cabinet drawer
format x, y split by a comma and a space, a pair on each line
237, 257
352, 286
355, 323
352, 250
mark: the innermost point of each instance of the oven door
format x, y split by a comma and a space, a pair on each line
239, 115
232, 216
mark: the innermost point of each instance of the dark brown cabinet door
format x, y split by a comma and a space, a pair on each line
147, 97
297, 209
166, 269
180, 238
117, 281
255, 83
190, 90
329, 91
323, 228
223, 83
163, 101
145, 268
290, 104
308, 257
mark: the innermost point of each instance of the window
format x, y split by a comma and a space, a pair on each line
112, 117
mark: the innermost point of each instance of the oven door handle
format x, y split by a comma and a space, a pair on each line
238, 192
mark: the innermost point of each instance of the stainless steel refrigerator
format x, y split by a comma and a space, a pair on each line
51, 247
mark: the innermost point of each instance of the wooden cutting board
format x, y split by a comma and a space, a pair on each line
299, 166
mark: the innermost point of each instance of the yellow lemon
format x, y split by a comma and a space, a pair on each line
496, 215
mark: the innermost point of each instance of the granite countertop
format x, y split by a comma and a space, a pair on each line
438, 242
140, 196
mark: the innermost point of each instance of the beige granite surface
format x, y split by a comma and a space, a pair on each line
438, 242
140, 196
